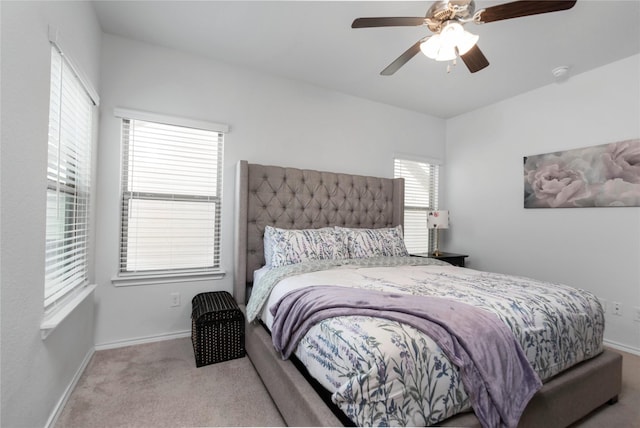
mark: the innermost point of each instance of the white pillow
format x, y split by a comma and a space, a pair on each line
289, 246
387, 241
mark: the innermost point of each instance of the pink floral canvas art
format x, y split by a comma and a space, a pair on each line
607, 175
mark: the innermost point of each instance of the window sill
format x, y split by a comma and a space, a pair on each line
53, 319
165, 278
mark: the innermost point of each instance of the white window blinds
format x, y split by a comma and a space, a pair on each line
420, 197
171, 198
68, 183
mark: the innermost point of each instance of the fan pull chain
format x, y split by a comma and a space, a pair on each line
454, 61
452, 64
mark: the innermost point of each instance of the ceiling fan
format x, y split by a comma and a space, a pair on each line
446, 18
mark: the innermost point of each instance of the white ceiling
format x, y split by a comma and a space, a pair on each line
312, 41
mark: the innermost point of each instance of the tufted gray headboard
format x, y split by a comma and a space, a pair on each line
292, 198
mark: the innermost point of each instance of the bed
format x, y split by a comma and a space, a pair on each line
290, 198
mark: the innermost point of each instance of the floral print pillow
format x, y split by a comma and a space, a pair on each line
363, 243
290, 246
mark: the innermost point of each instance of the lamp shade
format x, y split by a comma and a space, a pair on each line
452, 41
438, 219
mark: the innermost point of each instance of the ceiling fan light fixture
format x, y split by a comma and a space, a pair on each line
453, 40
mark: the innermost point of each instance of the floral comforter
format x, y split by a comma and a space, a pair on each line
382, 372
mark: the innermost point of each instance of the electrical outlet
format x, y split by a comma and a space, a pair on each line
616, 308
175, 299
636, 314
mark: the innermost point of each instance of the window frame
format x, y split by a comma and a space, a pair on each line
64, 288
160, 276
433, 193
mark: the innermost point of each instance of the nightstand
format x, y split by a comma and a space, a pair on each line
453, 258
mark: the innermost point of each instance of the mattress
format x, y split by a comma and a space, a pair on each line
381, 372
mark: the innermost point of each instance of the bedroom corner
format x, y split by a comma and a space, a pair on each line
37, 375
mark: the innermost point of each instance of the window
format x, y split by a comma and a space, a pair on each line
171, 195
420, 197
68, 183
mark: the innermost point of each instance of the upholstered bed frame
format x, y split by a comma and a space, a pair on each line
301, 199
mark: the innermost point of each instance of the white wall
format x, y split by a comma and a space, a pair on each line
273, 121
597, 249
35, 373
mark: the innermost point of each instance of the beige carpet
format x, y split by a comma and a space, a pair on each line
158, 385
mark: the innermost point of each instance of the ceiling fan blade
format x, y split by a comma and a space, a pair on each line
388, 22
518, 9
402, 59
474, 59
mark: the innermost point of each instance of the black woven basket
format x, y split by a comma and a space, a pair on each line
217, 328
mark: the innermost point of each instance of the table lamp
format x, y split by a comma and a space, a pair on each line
437, 220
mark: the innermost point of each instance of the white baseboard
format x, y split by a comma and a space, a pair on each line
142, 340
187, 333
57, 410
621, 347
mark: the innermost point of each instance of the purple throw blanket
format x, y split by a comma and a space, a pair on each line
494, 370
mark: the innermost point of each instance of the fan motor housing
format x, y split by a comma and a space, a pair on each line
445, 10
